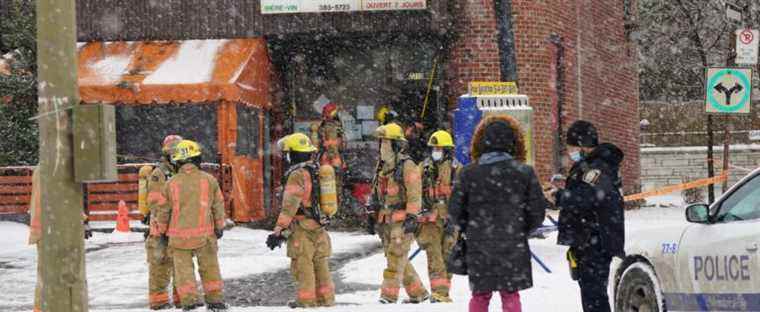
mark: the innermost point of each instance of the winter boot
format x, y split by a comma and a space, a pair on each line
216, 307
436, 298
416, 300
386, 301
164, 306
192, 307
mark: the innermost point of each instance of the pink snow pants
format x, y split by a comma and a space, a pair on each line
510, 302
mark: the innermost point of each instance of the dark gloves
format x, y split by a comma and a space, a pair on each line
274, 240
146, 219
410, 224
371, 222
87, 231
448, 227
219, 233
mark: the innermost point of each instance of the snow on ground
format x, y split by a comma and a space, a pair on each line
117, 272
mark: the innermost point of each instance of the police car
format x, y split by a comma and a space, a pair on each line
710, 264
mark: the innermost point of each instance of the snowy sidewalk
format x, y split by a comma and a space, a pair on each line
117, 270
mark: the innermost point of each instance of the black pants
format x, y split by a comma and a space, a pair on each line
593, 278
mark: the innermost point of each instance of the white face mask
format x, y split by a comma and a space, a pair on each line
576, 156
437, 155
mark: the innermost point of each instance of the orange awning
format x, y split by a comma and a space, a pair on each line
235, 70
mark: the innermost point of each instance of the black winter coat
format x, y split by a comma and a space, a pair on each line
591, 206
497, 205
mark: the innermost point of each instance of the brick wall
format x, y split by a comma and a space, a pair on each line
661, 166
600, 74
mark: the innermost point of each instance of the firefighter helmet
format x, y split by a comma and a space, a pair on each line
185, 150
441, 138
385, 115
391, 131
169, 140
296, 142
330, 110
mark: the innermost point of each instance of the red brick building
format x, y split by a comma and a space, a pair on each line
599, 70
574, 59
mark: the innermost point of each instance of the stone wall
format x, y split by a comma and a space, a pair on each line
662, 166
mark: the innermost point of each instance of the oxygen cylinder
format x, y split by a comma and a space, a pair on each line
328, 195
142, 190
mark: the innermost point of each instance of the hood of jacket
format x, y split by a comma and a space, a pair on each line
519, 149
607, 153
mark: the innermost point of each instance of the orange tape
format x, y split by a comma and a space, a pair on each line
679, 187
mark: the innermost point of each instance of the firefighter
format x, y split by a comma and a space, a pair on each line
308, 202
400, 197
159, 263
35, 233
191, 217
386, 115
331, 140
436, 235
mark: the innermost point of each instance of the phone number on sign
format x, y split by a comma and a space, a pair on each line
334, 7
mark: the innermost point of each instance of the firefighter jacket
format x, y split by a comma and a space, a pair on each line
400, 191
155, 186
35, 211
330, 143
190, 208
299, 198
436, 189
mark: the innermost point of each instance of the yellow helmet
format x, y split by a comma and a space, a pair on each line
391, 131
296, 142
380, 115
441, 138
185, 150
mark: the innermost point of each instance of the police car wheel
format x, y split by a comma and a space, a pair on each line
638, 290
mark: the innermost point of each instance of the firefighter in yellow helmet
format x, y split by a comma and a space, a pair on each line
385, 115
399, 193
308, 202
191, 215
436, 235
151, 185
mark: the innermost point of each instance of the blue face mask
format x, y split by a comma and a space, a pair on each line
576, 156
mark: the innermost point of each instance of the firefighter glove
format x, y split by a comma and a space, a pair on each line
410, 224
219, 233
274, 241
371, 221
87, 231
448, 227
146, 219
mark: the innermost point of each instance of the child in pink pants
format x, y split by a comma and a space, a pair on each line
510, 301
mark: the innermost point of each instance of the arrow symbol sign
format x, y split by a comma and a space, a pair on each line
728, 92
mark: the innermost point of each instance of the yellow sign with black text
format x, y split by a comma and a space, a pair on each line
480, 88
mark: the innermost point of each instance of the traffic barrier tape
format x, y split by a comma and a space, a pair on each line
679, 187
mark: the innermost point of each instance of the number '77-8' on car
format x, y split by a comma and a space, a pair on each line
710, 263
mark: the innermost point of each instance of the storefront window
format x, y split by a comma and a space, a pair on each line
140, 129
247, 131
360, 74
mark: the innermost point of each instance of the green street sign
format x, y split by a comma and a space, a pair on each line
728, 90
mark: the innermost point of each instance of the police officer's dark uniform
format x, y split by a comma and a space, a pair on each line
591, 219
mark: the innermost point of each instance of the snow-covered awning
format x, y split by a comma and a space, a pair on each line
175, 71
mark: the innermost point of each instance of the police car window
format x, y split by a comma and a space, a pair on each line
744, 204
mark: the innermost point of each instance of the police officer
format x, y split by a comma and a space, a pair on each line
302, 222
159, 263
436, 234
191, 215
591, 220
399, 193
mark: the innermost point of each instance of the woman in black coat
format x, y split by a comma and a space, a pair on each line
496, 202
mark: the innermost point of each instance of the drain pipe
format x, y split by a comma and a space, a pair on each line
508, 60
559, 146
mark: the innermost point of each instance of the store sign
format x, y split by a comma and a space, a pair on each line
480, 88
318, 6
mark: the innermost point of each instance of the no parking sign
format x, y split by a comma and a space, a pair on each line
747, 46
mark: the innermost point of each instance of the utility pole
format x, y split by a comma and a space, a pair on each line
62, 253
